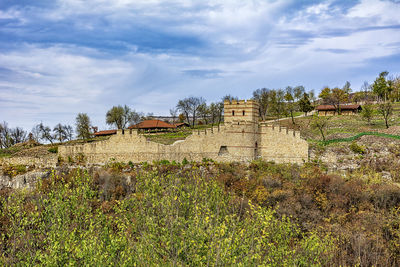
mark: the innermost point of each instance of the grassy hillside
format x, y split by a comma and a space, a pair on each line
346, 126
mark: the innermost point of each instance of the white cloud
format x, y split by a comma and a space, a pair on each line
244, 45
376, 12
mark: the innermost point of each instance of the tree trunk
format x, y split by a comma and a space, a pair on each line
291, 114
187, 117
386, 122
322, 133
194, 119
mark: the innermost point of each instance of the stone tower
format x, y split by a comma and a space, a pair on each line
241, 111
241, 119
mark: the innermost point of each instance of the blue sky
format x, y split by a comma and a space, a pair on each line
61, 57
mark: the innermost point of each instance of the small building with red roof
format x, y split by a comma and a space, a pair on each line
181, 124
152, 125
330, 110
105, 133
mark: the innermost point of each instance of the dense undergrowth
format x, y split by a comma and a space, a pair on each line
202, 214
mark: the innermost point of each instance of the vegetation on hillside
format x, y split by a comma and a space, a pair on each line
166, 215
198, 214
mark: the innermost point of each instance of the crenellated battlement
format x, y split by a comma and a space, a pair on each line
127, 132
266, 128
241, 102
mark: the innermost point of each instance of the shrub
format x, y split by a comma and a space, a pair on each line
182, 220
358, 149
80, 158
13, 170
207, 160
162, 162
116, 166
185, 161
53, 149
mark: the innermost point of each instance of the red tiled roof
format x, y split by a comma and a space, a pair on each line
181, 124
342, 107
152, 124
106, 132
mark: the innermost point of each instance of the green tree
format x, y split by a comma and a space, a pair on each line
298, 92
325, 94
290, 104
320, 123
83, 126
380, 86
121, 116
395, 89
334, 97
276, 105
367, 112
305, 104
386, 110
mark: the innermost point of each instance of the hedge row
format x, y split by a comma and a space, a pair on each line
353, 138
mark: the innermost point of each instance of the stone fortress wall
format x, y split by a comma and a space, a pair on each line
242, 138
40, 162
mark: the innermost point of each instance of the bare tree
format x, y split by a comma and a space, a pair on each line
204, 112
35, 133
366, 88
59, 133
290, 103
190, 107
184, 107
11, 136
5, 138
229, 98
173, 112
215, 111
263, 97
45, 133
69, 132
18, 135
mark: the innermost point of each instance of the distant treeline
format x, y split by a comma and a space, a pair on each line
274, 103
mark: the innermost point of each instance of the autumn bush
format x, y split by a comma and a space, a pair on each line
155, 216
203, 214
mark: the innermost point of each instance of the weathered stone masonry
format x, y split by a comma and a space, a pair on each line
241, 138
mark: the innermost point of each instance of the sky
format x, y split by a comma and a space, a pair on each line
62, 57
